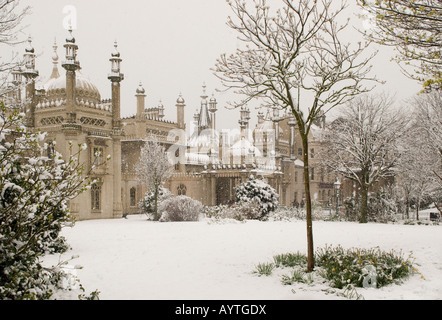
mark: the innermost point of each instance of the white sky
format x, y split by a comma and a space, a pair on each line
168, 45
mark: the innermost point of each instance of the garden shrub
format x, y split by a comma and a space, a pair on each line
181, 208
258, 191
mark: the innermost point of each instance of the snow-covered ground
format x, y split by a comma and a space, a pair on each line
138, 259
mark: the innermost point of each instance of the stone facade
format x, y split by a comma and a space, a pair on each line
208, 164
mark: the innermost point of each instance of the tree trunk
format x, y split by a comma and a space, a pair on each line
155, 201
308, 202
364, 204
417, 207
407, 207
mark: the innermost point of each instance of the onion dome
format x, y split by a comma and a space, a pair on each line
84, 88
29, 48
180, 100
70, 38
140, 89
116, 53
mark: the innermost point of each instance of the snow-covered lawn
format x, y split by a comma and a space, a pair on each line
137, 259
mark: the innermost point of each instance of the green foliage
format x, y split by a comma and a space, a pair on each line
343, 267
290, 259
35, 187
264, 269
297, 276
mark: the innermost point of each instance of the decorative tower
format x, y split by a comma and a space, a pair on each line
292, 125
180, 104
244, 121
141, 101
17, 80
116, 77
160, 114
71, 65
30, 74
213, 110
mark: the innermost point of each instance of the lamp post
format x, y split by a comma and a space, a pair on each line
337, 186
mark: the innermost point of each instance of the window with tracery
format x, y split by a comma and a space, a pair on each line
98, 156
96, 196
182, 190
133, 196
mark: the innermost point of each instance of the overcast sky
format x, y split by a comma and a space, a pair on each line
168, 45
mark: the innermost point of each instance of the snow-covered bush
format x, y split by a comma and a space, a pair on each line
240, 211
284, 213
147, 204
181, 208
35, 187
260, 192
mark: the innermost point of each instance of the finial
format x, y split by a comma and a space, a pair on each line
180, 99
70, 38
30, 48
55, 56
116, 53
140, 89
204, 96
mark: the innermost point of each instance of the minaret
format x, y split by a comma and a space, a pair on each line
213, 109
160, 114
30, 74
115, 177
17, 80
71, 65
180, 104
141, 101
244, 121
116, 77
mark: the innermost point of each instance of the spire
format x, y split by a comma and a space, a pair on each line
55, 74
204, 119
204, 95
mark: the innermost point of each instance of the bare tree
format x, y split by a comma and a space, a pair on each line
294, 59
362, 144
421, 159
414, 28
154, 169
11, 18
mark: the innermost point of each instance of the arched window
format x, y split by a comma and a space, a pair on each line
133, 196
182, 190
300, 152
96, 196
